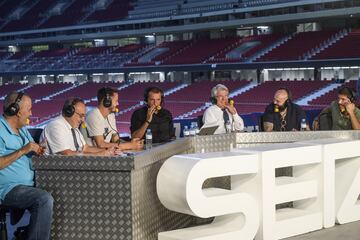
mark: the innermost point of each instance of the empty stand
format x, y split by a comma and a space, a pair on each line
31, 17
7, 88
85, 91
344, 48
40, 91
245, 48
70, 16
116, 10
264, 93
297, 46
200, 51
43, 60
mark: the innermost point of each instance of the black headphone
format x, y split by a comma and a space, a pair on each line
153, 89
14, 107
349, 92
68, 109
214, 90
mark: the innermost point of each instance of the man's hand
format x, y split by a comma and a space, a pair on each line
33, 147
316, 125
150, 113
137, 143
111, 151
350, 107
231, 109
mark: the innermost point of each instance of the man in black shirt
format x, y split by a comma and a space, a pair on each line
282, 114
153, 117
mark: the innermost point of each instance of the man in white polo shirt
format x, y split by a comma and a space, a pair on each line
62, 135
101, 128
222, 112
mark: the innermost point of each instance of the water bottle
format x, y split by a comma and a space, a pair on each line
192, 130
196, 127
148, 139
186, 132
228, 126
303, 125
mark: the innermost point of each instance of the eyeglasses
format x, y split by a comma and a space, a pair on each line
81, 115
222, 96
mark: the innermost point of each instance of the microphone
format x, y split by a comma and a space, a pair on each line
157, 109
231, 102
27, 121
276, 108
342, 110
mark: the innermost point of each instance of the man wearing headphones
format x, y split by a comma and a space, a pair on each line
153, 116
62, 135
101, 130
343, 114
222, 112
282, 114
16, 174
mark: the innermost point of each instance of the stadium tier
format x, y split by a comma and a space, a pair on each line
269, 47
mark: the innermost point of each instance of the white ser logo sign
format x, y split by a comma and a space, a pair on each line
324, 188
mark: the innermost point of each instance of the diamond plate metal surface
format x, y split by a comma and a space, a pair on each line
214, 143
115, 197
89, 205
53, 162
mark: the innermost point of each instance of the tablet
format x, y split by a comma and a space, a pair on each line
208, 130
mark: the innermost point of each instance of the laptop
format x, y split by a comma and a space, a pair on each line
208, 130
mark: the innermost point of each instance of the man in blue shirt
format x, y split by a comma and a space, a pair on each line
16, 174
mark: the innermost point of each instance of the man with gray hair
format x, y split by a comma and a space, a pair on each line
222, 113
16, 174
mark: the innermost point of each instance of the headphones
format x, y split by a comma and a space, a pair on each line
14, 107
214, 90
349, 92
68, 109
153, 89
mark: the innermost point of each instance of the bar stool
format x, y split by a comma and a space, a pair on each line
15, 216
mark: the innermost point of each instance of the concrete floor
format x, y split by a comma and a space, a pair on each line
349, 231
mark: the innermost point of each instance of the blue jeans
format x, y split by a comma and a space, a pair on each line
39, 203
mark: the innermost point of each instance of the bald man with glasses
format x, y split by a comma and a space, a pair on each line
62, 135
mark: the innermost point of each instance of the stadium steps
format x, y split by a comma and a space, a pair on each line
62, 91
152, 54
141, 53
18, 90
326, 44
177, 88
269, 49
306, 99
179, 51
